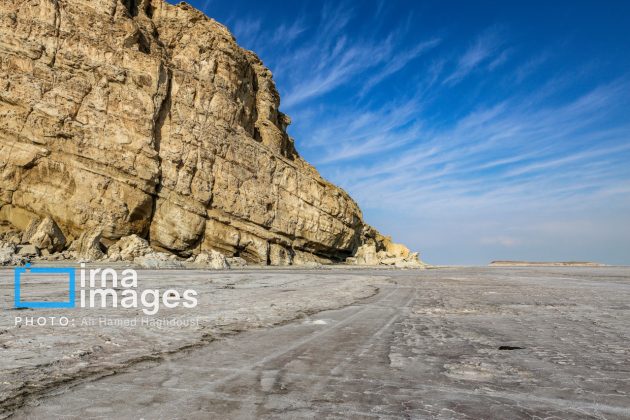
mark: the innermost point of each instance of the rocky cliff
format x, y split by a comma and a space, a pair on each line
121, 117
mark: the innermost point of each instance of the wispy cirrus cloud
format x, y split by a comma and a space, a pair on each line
487, 49
397, 62
353, 133
530, 66
247, 30
501, 154
331, 58
337, 66
288, 33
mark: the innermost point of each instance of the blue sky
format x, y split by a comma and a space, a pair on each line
470, 131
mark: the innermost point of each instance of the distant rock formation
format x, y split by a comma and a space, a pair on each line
126, 117
544, 264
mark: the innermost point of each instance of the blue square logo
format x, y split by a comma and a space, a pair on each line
67, 271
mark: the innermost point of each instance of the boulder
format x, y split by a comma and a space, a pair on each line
366, 255
389, 261
410, 261
236, 262
213, 259
88, 246
28, 251
129, 248
58, 256
44, 234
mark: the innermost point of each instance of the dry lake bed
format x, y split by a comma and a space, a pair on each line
478, 342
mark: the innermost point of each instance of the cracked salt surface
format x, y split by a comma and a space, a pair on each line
427, 345
36, 359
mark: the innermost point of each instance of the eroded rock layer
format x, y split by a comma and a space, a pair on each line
124, 117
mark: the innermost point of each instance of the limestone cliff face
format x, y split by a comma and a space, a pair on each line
140, 117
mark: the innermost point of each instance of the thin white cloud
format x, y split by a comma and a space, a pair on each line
487, 47
530, 66
500, 59
398, 62
453, 164
246, 31
286, 34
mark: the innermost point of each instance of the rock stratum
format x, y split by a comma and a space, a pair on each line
123, 117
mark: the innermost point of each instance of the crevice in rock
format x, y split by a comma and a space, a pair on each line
148, 9
144, 46
140, 40
131, 6
57, 33
162, 114
73, 115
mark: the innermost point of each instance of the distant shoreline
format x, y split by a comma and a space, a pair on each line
545, 264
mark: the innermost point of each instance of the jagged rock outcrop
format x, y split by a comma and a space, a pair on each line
129, 117
377, 249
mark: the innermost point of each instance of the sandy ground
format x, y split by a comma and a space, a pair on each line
449, 343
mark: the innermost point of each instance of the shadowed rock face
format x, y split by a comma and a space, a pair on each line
138, 117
